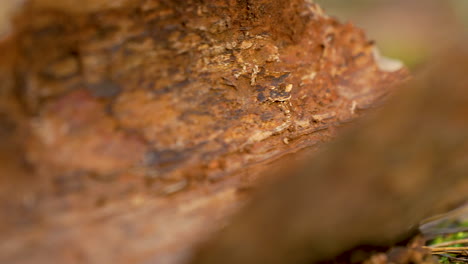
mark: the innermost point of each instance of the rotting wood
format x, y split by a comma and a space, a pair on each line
368, 188
145, 124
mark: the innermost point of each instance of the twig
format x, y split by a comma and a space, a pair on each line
449, 249
453, 258
456, 250
430, 233
450, 243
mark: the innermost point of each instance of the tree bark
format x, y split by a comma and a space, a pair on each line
368, 188
140, 126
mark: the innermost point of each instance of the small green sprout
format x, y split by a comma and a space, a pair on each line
444, 260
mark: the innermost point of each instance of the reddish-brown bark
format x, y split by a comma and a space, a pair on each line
371, 186
144, 122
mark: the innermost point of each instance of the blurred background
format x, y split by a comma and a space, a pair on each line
408, 30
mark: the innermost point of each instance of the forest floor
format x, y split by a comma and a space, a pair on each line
440, 239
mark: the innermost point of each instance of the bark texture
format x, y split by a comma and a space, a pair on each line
136, 128
369, 187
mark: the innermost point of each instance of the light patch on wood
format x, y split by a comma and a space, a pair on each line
309, 76
253, 78
262, 135
176, 187
203, 201
7, 10
353, 107
303, 123
324, 116
246, 45
386, 64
